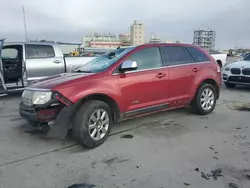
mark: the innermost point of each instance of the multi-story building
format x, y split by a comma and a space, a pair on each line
154, 39
96, 40
205, 38
137, 33
125, 39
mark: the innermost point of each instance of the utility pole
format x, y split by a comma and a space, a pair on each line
25, 27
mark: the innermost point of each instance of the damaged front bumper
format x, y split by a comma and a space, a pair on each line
54, 116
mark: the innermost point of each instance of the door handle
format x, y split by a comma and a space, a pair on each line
160, 75
195, 69
57, 61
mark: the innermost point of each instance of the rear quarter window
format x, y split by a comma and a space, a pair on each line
198, 55
39, 51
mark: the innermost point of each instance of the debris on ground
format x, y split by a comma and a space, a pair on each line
248, 176
127, 136
216, 158
205, 176
233, 185
242, 136
214, 173
187, 184
82, 185
197, 169
211, 147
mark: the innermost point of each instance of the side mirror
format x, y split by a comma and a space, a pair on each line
128, 65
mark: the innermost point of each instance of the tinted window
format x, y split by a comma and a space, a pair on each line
147, 58
39, 51
198, 55
175, 55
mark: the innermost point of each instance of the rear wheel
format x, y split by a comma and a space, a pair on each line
228, 85
205, 99
92, 123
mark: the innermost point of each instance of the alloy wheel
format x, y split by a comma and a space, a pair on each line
98, 124
207, 99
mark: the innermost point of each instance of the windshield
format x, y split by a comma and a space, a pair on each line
101, 63
247, 57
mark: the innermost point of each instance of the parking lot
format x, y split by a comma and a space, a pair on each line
174, 149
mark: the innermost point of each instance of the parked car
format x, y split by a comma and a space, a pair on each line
221, 59
138, 81
26, 62
237, 73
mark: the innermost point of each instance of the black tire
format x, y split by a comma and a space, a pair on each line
81, 123
228, 85
196, 103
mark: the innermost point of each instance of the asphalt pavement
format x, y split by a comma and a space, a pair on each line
174, 149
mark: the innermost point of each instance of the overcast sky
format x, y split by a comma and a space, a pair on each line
67, 21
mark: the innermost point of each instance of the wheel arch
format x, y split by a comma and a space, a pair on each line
105, 98
209, 81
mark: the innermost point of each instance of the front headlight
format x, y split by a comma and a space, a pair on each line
227, 68
41, 97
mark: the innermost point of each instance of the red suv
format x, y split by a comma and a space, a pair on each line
123, 84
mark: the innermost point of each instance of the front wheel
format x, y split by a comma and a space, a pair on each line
92, 123
228, 85
205, 100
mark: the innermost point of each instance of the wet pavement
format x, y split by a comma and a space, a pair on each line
174, 149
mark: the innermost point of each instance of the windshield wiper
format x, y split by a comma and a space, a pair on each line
82, 71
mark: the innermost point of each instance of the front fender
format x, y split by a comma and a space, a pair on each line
107, 86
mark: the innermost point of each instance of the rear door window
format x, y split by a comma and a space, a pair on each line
176, 55
198, 55
147, 58
39, 51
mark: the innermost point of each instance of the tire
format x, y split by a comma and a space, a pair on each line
200, 99
84, 117
228, 85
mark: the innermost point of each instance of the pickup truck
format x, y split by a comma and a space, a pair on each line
25, 62
221, 59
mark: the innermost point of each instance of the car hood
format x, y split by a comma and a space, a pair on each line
53, 81
240, 64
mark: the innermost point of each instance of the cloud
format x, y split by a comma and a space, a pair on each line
69, 20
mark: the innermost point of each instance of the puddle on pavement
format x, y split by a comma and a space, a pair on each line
166, 128
127, 136
82, 185
239, 106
